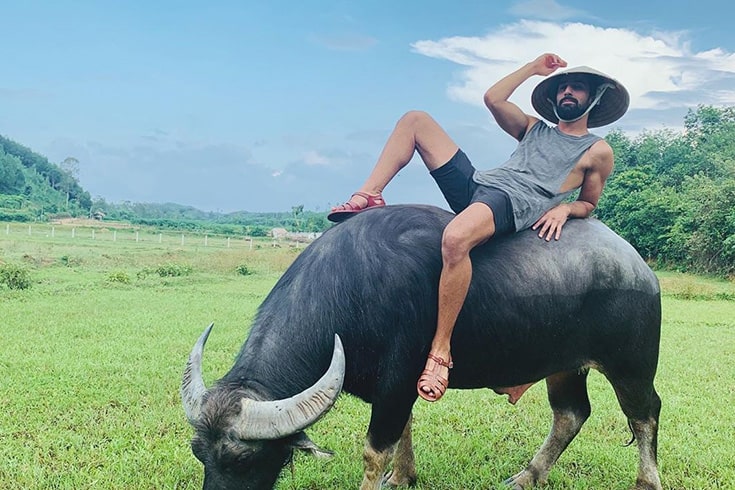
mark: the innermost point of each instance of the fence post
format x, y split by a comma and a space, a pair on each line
228, 242
137, 237
53, 231
160, 237
7, 228
29, 230
205, 240
92, 233
73, 232
182, 239
114, 235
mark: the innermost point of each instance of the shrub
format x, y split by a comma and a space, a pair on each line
118, 276
166, 270
243, 270
15, 276
69, 261
173, 270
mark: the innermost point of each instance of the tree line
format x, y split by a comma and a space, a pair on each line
171, 216
671, 195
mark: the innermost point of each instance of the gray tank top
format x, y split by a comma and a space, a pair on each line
536, 170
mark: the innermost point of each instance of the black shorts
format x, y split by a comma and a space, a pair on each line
455, 181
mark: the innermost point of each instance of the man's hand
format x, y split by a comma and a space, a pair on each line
547, 63
551, 223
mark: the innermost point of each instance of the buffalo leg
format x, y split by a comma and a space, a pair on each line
570, 404
375, 462
642, 405
404, 464
388, 430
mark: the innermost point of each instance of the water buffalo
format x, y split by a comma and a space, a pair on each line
357, 311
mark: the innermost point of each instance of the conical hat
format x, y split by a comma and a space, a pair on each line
610, 108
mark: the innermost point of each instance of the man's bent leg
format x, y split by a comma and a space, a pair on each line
471, 227
415, 131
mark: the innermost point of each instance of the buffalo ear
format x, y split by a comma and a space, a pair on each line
302, 442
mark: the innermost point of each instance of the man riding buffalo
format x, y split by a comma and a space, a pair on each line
529, 190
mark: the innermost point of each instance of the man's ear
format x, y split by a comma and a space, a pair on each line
301, 442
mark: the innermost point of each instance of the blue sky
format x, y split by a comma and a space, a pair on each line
261, 106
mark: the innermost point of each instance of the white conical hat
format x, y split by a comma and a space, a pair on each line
612, 104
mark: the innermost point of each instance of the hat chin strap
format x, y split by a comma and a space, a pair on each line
598, 95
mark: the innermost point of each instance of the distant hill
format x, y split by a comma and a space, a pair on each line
34, 189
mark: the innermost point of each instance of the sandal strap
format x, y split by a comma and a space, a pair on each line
371, 202
350, 206
441, 362
436, 385
376, 200
430, 378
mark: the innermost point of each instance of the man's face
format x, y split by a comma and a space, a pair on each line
572, 97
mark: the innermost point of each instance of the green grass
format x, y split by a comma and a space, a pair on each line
91, 365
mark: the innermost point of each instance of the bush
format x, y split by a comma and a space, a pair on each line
70, 261
243, 270
167, 270
173, 270
13, 215
119, 276
15, 276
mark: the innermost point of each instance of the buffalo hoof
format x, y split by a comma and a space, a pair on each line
646, 486
524, 480
393, 480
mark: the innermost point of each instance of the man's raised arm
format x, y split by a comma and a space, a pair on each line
508, 115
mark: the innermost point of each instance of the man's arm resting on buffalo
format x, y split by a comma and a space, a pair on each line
553, 220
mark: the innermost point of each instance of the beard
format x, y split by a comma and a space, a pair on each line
569, 112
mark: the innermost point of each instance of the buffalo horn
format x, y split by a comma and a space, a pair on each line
281, 418
192, 384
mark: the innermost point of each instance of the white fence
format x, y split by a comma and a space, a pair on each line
130, 235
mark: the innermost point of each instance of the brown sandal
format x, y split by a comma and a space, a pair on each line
344, 211
430, 379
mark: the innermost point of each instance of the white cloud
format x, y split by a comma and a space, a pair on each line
315, 158
659, 69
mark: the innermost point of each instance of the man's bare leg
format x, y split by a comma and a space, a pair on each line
415, 131
470, 228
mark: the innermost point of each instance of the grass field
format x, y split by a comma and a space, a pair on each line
91, 357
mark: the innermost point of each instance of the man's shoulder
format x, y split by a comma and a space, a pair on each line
534, 124
601, 154
601, 148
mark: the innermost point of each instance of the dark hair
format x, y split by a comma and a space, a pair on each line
592, 81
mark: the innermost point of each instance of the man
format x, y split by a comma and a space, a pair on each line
527, 191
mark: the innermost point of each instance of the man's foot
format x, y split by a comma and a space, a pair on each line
433, 381
359, 202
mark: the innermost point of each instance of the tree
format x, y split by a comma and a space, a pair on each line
12, 178
297, 212
70, 174
70, 165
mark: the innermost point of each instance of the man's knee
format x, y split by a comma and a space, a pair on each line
471, 228
415, 118
456, 243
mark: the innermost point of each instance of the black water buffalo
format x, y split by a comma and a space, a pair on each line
365, 296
